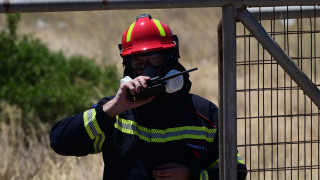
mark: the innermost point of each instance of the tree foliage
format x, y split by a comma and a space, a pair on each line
47, 85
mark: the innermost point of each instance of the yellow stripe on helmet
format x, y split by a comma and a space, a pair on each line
130, 31
158, 24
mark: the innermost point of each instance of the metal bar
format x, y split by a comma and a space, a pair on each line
272, 28
264, 3
228, 151
87, 5
249, 103
282, 58
220, 70
11, 6
285, 12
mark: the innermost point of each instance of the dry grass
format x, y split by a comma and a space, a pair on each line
30, 157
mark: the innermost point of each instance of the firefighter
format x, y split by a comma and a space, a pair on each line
170, 135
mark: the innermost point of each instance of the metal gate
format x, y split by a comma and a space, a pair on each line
278, 122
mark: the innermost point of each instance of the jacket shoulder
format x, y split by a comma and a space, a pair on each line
102, 101
203, 107
200, 102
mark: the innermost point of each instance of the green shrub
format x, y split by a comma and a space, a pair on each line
46, 85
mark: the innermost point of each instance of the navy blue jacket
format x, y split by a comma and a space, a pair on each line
172, 129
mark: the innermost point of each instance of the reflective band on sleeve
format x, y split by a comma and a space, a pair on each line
239, 160
164, 135
99, 142
91, 124
204, 175
214, 164
161, 30
87, 126
93, 129
130, 31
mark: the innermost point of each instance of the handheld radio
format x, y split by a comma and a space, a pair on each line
157, 85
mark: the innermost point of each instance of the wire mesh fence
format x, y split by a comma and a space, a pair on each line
278, 125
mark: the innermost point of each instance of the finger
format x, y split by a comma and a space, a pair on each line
129, 86
137, 86
143, 83
143, 80
145, 77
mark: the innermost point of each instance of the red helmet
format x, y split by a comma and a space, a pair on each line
147, 35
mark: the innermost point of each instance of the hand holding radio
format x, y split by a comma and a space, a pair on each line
120, 102
171, 83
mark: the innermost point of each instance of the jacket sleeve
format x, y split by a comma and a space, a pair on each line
83, 133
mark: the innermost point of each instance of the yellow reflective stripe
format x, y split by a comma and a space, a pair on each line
91, 124
93, 129
239, 160
158, 24
163, 131
129, 122
99, 142
86, 124
204, 175
130, 31
95, 122
164, 135
214, 164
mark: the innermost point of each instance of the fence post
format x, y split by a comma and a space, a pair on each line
228, 112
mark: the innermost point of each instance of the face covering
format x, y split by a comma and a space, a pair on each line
172, 85
149, 71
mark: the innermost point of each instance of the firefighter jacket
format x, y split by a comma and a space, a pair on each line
173, 129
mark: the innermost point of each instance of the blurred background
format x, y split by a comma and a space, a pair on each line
57, 64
